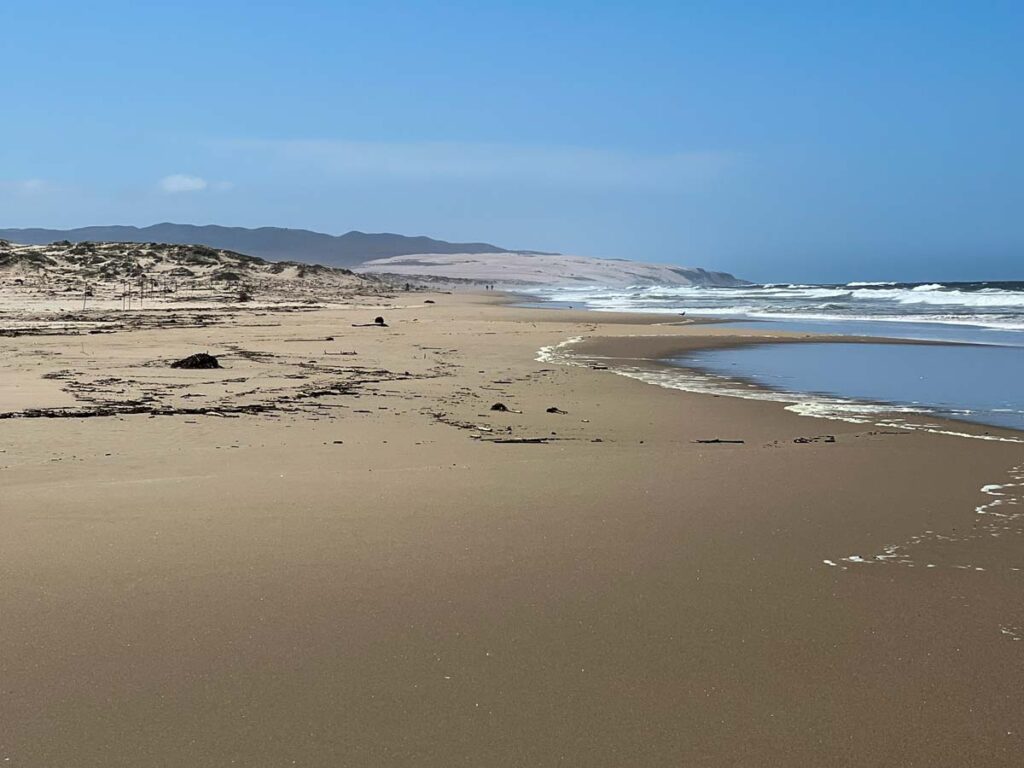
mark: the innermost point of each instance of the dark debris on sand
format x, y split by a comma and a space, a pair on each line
200, 360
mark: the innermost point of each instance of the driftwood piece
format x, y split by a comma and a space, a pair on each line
516, 440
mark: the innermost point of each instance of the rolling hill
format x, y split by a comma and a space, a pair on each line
271, 243
108, 268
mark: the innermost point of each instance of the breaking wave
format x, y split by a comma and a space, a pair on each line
985, 304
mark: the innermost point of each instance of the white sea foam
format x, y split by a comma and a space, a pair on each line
943, 549
555, 353
936, 294
992, 307
937, 430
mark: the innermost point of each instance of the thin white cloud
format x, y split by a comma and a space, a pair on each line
179, 182
556, 165
28, 186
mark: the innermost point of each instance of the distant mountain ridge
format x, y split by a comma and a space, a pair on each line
271, 243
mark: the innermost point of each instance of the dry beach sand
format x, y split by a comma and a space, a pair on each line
322, 559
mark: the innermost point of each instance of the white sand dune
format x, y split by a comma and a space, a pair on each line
544, 269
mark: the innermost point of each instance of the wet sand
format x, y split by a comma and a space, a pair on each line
360, 574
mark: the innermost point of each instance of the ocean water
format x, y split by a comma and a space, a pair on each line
980, 383
978, 375
997, 305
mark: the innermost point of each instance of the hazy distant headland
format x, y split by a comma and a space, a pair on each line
409, 257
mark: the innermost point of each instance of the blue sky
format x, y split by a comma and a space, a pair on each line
780, 141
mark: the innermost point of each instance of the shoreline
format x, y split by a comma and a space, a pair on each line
694, 378
368, 576
631, 355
